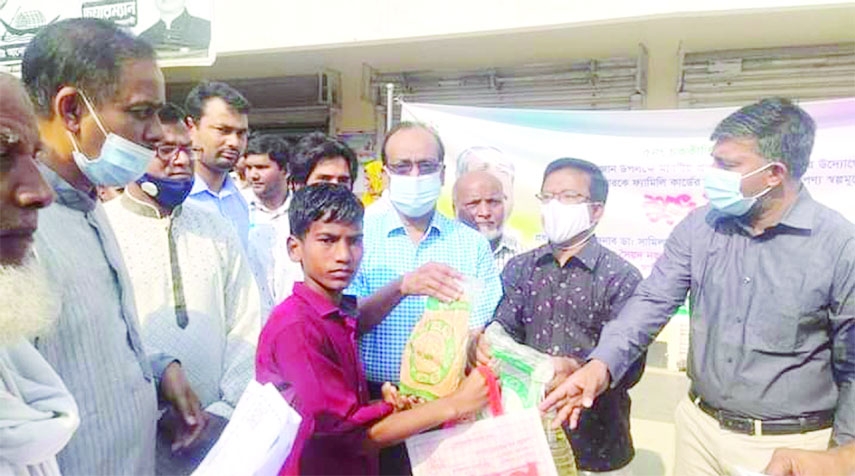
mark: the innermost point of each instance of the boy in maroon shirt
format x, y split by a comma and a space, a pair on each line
308, 350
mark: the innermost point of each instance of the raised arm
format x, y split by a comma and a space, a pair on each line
625, 338
431, 279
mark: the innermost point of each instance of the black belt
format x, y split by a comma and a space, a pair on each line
749, 426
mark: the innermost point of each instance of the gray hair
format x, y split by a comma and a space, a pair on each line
784, 132
86, 53
495, 161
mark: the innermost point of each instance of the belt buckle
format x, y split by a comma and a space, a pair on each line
758, 428
803, 425
747, 426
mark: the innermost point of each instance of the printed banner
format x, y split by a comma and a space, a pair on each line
509, 445
180, 30
654, 161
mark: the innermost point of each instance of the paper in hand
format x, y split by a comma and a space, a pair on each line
257, 439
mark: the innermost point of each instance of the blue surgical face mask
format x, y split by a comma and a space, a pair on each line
414, 196
169, 193
120, 161
724, 190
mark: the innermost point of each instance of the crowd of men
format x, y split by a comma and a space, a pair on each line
129, 329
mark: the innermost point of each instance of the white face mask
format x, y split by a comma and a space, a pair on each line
561, 222
120, 161
414, 196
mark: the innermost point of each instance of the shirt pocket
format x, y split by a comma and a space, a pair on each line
773, 323
790, 315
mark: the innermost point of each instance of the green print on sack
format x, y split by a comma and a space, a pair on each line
516, 376
432, 352
434, 304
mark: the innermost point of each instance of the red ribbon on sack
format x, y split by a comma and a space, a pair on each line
494, 394
493, 390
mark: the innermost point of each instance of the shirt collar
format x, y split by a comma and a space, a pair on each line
392, 221
139, 207
507, 242
282, 210
587, 256
322, 305
801, 214
66, 194
200, 186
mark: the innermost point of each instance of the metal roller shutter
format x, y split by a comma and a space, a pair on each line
298, 103
615, 83
736, 77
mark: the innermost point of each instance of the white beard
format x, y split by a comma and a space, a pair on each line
491, 235
29, 305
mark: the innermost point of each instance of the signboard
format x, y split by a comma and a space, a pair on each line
179, 30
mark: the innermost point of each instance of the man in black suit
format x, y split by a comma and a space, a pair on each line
177, 29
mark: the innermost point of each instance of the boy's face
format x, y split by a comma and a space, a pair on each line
330, 253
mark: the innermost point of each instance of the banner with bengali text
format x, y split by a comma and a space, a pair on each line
654, 162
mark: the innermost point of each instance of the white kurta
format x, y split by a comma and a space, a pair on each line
37, 413
217, 346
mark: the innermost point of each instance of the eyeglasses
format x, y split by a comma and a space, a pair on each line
425, 166
168, 152
566, 197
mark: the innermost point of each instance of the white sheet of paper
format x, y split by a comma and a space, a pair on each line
258, 437
744, 472
509, 444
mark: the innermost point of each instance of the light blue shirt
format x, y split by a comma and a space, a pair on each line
229, 203
389, 254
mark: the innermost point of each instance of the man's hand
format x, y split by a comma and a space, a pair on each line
564, 367
577, 391
790, 462
175, 389
433, 279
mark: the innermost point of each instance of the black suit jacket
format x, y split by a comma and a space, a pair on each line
186, 31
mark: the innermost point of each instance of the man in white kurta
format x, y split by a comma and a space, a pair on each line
217, 346
196, 296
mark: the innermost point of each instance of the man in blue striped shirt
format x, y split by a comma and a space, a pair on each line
97, 90
412, 252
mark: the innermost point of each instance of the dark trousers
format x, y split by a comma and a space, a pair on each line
185, 462
394, 460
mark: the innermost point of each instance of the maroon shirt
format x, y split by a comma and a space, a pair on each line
308, 351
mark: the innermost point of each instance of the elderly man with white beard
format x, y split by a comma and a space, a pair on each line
37, 413
480, 202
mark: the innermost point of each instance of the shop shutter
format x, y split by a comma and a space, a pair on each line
614, 83
737, 77
299, 103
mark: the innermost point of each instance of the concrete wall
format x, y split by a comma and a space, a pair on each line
280, 42
257, 25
